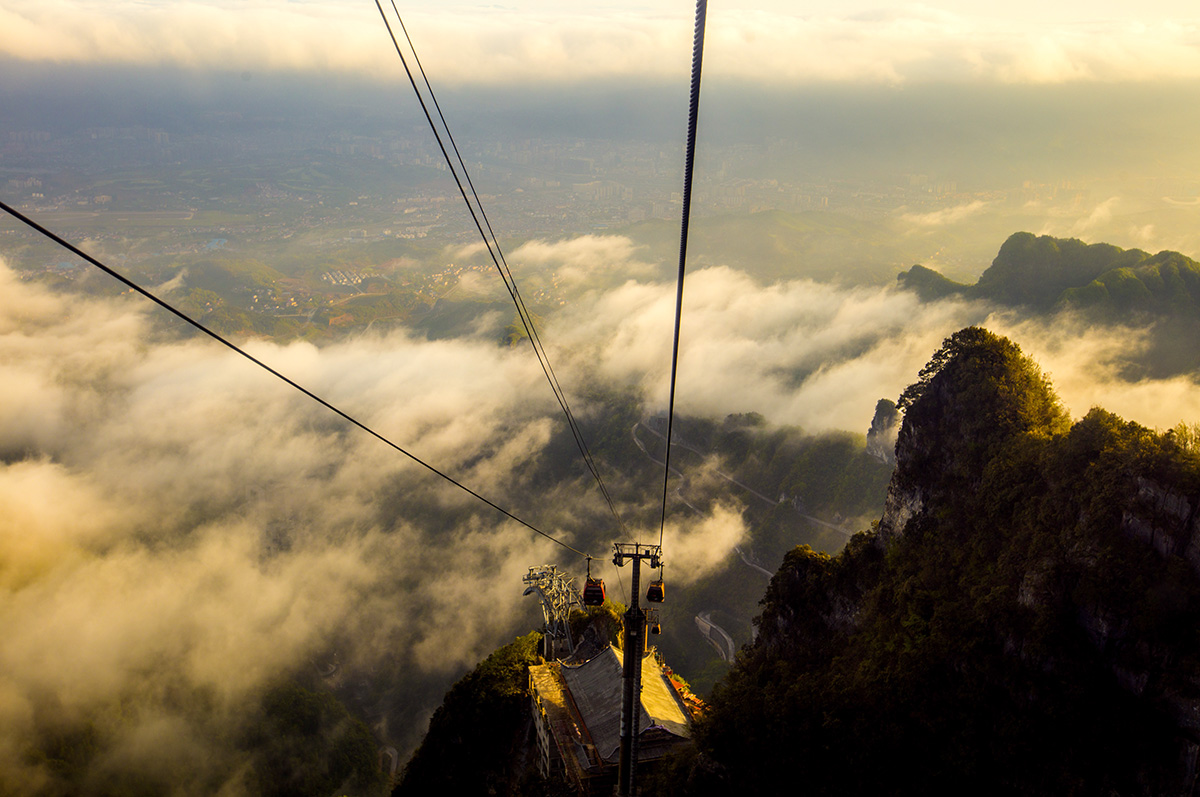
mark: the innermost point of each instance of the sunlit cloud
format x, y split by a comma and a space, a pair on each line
577, 261
477, 250
1083, 362
176, 521
1099, 217
819, 356
799, 352
699, 547
940, 218
495, 45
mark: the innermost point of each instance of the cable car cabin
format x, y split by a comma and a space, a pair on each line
656, 593
593, 592
656, 627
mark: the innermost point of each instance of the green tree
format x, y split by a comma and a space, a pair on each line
473, 736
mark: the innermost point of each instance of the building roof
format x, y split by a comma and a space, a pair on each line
596, 687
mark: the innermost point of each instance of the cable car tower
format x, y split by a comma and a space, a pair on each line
634, 648
558, 596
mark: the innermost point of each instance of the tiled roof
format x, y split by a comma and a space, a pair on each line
596, 688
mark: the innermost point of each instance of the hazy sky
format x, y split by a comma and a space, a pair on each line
776, 41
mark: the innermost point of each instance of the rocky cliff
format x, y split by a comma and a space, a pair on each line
881, 436
1023, 619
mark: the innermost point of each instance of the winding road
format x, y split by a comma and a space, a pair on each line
717, 636
677, 442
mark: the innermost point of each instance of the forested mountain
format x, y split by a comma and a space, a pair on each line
1044, 273
1023, 619
1155, 298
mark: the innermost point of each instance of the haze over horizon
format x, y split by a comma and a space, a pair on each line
540, 42
1099, 98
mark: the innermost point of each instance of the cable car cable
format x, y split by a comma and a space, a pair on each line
506, 276
224, 341
688, 168
500, 262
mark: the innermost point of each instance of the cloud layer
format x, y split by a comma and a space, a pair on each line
498, 45
178, 527
176, 522
820, 356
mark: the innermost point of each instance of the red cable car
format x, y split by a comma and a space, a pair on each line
593, 592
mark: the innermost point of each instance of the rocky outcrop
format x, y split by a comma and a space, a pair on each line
1164, 519
881, 437
902, 504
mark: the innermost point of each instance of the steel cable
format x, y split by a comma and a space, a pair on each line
689, 163
493, 247
225, 342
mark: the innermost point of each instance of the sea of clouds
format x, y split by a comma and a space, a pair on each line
179, 527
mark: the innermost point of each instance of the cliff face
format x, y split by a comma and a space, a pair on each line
881, 436
1024, 619
480, 738
977, 396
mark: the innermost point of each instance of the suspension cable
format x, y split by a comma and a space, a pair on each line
225, 342
689, 162
506, 276
493, 246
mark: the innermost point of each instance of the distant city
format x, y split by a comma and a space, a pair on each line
342, 224
540, 186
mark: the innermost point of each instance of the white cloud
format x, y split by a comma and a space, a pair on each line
181, 522
585, 259
799, 352
472, 251
699, 546
820, 356
940, 218
1100, 216
497, 45
1083, 363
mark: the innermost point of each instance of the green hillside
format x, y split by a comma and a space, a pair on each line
1043, 273
1023, 620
